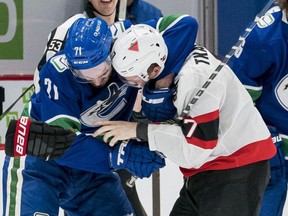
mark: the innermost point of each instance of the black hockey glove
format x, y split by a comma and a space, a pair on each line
37, 139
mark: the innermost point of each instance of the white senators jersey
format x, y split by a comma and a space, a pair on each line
223, 129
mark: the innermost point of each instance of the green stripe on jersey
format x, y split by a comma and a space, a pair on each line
254, 94
166, 21
284, 144
66, 123
13, 185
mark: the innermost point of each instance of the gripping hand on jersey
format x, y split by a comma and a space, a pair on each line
37, 139
157, 104
136, 158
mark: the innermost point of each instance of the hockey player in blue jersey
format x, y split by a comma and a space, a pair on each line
221, 144
261, 64
107, 10
78, 87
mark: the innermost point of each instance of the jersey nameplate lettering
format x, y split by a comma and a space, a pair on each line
200, 55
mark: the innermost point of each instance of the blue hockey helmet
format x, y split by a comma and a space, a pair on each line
88, 43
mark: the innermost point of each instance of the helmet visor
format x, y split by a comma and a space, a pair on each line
97, 72
133, 81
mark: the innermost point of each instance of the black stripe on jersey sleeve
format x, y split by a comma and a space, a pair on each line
203, 131
207, 130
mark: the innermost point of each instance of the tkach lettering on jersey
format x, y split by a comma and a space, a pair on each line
200, 55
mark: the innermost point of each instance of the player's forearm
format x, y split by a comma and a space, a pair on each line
170, 140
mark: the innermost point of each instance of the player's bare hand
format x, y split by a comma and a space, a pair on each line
114, 131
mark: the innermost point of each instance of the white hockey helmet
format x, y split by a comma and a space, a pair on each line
136, 49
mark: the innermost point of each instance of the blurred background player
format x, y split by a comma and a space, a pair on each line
261, 64
139, 11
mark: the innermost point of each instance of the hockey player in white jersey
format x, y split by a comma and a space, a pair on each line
221, 145
262, 66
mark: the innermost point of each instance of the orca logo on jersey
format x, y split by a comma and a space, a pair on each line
106, 109
21, 136
60, 63
281, 92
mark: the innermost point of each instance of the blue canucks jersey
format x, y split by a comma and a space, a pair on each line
261, 63
65, 101
176, 30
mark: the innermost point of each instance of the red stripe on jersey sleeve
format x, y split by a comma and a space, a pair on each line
205, 144
207, 117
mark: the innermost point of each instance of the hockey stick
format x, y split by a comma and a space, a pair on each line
224, 62
2, 146
13, 104
156, 193
122, 9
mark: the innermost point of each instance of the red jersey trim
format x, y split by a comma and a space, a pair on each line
252, 153
19, 77
207, 117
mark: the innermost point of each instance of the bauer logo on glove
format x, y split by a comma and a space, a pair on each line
37, 139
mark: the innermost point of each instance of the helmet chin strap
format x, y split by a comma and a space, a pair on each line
95, 10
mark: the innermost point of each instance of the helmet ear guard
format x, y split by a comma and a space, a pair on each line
88, 43
136, 49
